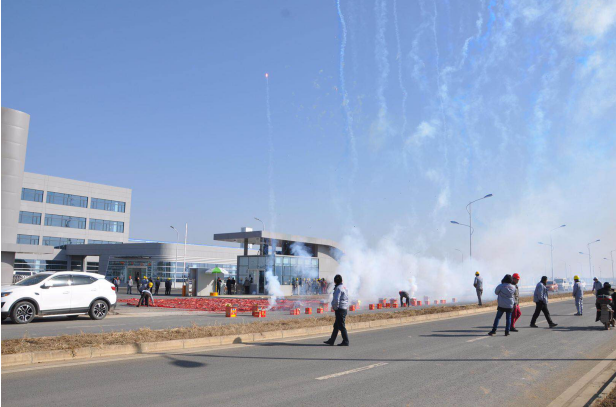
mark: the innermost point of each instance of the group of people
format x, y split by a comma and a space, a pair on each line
309, 286
143, 283
508, 300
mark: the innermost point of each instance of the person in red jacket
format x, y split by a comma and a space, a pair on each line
517, 313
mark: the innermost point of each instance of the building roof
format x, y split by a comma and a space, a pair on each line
258, 236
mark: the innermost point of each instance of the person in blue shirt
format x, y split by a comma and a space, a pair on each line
541, 304
340, 304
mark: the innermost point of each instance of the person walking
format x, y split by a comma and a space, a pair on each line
129, 285
540, 298
505, 293
340, 304
116, 282
517, 312
596, 286
157, 285
478, 284
218, 285
578, 295
404, 296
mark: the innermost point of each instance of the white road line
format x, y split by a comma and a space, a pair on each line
359, 369
478, 339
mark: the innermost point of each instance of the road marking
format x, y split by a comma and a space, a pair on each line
93, 326
359, 369
478, 339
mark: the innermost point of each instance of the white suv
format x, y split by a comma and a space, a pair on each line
62, 293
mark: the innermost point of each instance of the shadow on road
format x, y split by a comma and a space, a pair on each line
184, 363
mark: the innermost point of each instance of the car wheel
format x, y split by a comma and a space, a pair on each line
23, 312
72, 316
98, 310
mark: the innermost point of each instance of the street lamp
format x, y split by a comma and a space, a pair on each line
470, 228
605, 258
469, 209
589, 262
177, 242
462, 254
612, 257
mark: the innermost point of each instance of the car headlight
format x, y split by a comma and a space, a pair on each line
5, 294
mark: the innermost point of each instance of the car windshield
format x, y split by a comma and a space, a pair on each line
35, 279
550, 282
559, 281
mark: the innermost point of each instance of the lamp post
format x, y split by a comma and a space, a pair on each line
462, 254
185, 242
469, 209
470, 228
590, 273
589, 261
177, 242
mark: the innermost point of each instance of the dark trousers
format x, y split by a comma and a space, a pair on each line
339, 325
129, 289
539, 307
479, 294
408, 300
144, 300
157, 286
499, 314
246, 289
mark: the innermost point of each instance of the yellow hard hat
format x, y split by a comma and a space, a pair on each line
576, 277
150, 285
476, 273
169, 278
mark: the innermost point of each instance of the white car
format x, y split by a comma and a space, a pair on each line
563, 284
67, 293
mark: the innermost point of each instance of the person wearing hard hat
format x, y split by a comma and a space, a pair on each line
478, 284
168, 286
517, 312
578, 295
157, 285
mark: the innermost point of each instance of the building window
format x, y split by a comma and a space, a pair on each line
108, 205
107, 225
64, 221
27, 239
92, 266
34, 195
102, 242
38, 266
67, 199
30, 218
60, 241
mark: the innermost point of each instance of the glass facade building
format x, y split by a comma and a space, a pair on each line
286, 268
125, 267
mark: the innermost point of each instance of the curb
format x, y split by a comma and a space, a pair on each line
33, 358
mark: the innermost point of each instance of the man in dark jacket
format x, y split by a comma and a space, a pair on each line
157, 285
168, 287
541, 304
405, 296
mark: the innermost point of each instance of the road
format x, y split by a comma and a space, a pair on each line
449, 362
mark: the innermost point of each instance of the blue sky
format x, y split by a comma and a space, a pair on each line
514, 98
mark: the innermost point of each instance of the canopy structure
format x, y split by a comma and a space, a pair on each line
218, 270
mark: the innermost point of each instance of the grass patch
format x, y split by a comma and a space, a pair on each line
82, 340
609, 401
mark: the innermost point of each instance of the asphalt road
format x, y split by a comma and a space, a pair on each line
450, 362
